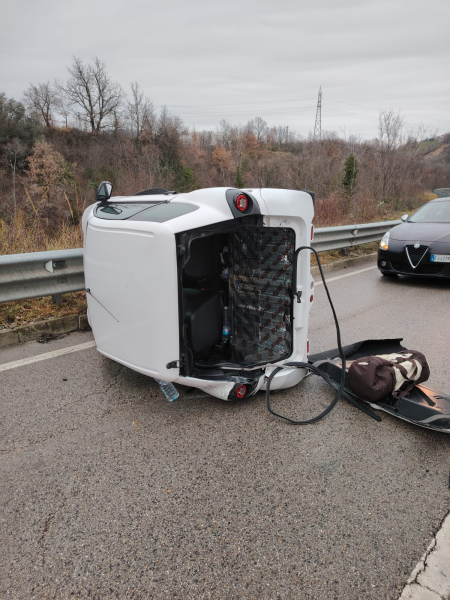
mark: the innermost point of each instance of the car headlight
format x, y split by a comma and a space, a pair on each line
384, 244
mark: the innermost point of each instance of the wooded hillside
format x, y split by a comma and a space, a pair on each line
64, 138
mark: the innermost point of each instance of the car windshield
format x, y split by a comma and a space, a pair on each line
435, 212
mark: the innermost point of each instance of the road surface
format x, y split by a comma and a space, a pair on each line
108, 491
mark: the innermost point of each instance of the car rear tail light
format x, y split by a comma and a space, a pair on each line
241, 202
307, 346
312, 232
311, 298
241, 391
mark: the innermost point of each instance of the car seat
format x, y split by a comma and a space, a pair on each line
203, 310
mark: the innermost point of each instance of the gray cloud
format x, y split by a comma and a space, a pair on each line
247, 57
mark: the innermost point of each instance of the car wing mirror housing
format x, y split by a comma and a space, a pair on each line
405, 218
104, 192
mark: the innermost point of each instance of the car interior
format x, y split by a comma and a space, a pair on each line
243, 277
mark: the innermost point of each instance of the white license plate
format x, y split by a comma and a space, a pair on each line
440, 258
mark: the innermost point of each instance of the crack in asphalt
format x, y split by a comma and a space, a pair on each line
422, 565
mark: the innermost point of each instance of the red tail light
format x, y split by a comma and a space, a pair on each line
311, 298
241, 391
312, 232
307, 346
241, 202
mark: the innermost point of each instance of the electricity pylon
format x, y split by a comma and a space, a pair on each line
318, 125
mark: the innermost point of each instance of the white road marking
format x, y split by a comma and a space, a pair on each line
46, 356
346, 275
70, 349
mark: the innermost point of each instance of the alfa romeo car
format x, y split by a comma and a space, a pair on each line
420, 245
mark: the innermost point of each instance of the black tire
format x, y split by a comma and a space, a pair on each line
151, 192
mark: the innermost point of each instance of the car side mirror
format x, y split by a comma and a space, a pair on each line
405, 218
104, 191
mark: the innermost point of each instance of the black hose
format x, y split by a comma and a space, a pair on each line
310, 367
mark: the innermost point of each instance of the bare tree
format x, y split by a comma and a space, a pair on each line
221, 160
168, 132
278, 135
223, 133
169, 124
260, 129
139, 111
237, 139
90, 89
390, 138
63, 108
43, 99
46, 168
13, 152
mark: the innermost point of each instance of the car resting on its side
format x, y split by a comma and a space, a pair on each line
164, 269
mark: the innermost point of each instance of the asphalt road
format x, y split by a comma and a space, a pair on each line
108, 491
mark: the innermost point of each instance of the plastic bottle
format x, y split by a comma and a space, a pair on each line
168, 389
226, 324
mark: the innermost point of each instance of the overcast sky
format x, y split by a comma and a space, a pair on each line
243, 58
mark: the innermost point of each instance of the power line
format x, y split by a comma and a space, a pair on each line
377, 109
253, 112
234, 103
282, 101
348, 114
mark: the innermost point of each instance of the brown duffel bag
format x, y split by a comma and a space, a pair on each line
375, 377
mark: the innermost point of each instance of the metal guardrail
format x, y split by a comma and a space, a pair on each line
38, 274
333, 238
442, 192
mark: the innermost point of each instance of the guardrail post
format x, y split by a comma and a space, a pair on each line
57, 299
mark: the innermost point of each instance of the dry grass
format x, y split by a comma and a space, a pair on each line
28, 234
343, 254
21, 312
332, 211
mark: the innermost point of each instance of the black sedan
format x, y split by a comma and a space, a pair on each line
420, 245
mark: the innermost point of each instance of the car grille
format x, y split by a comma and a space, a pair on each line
415, 254
421, 269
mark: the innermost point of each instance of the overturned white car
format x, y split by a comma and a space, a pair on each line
213, 289
204, 289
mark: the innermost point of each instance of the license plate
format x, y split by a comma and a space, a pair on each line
440, 258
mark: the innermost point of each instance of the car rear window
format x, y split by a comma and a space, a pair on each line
164, 212
120, 211
156, 212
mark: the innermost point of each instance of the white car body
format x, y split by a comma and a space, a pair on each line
133, 271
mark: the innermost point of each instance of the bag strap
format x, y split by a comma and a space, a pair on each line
404, 372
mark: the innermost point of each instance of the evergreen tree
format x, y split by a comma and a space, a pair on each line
187, 181
239, 178
350, 175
